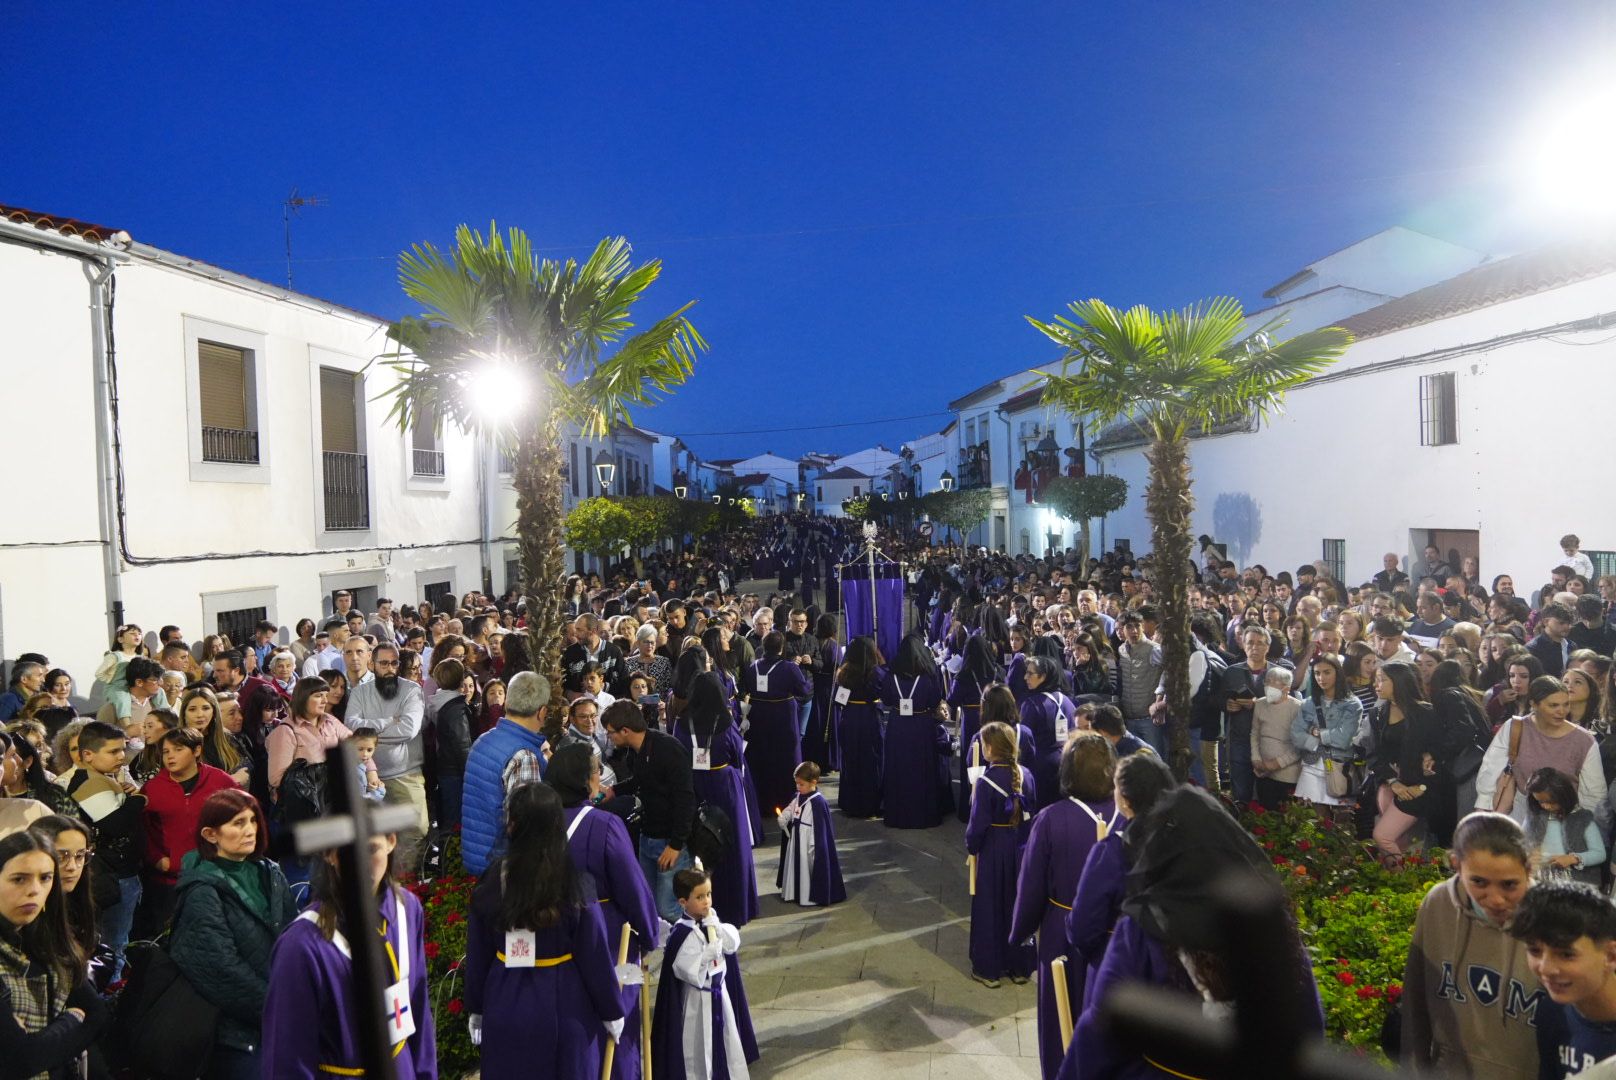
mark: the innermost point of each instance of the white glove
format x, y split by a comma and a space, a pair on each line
711, 918
474, 1024
614, 1029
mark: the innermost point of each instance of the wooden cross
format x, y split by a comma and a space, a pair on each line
347, 828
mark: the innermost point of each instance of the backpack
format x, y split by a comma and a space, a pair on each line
712, 835
1211, 689
302, 793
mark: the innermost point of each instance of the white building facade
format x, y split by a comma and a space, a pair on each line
216, 452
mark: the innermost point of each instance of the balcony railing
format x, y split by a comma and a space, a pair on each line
347, 491
230, 446
428, 462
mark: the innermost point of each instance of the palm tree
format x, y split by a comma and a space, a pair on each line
513, 348
1175, 374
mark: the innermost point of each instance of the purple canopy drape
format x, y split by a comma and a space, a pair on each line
888, 614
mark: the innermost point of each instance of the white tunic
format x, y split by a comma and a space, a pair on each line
797, 820
698, 962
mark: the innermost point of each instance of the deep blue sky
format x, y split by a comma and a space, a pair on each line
865, 198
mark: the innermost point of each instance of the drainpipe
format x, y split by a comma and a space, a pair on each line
1009, 475
103, 292
483, 544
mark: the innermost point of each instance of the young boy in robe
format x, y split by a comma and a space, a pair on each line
810, 873
701, 1029
1569, 930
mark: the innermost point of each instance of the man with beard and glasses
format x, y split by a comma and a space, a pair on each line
395, 707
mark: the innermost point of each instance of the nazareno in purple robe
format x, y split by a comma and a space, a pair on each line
735, 892
917, 788
601, 848
1095, 908
997, 841
858, 729
668, 1018
773, 746
546, 1020
1043, 713
819, 739
810, 873
1063, 834
754, 815
966, 697
1135, 957
308, 1018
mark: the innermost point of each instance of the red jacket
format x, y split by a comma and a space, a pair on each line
171, 817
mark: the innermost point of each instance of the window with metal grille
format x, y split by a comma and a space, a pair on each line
513, 572
440, 594
228, 419
1125, 547
1604, 563
238, 625
572, 470
425, 454
1335, 557
1439, 422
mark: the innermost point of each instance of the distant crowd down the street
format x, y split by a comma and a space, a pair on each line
1346, 744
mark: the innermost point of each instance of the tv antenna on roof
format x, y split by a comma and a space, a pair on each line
294, 203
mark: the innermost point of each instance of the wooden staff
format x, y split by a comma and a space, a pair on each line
1063, 999
611, 1044
645, 1016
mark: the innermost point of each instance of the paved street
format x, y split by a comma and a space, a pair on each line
880, 986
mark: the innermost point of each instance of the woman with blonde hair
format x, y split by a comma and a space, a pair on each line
1003, 797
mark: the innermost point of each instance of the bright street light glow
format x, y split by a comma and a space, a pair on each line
1571, 160
499, 392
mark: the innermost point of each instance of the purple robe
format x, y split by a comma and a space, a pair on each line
735, 894
753, 813
1042, 713
916, 788
1015, 677
1135, 956
308, 1017
966, 697
601, 848
1095, 908
668, 1018
1063, 834
810, 861
996, 841
542, 1020
773, 746
819, 740
858, 728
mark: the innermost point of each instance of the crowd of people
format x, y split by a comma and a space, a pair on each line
616, 814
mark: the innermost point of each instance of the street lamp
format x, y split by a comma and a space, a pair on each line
718, 499
947, 480
679, 491
605, 470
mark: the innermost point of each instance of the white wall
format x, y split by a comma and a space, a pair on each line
54, 599
1344, 461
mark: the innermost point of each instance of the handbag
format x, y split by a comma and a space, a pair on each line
1504, 794
164, 1027
302, 794
1337, 778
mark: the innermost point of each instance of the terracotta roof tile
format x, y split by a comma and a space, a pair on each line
56, 223
845, 473
1489, 284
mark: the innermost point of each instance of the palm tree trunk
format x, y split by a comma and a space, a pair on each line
1169, 503
537, 480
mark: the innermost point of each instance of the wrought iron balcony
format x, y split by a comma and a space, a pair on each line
347, 491
230, 446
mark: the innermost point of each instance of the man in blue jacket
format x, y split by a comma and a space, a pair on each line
510, 754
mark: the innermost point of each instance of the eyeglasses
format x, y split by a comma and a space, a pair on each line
75, 858
387, 663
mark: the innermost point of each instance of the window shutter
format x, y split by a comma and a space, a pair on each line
338, 427
423, 435
222, 375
